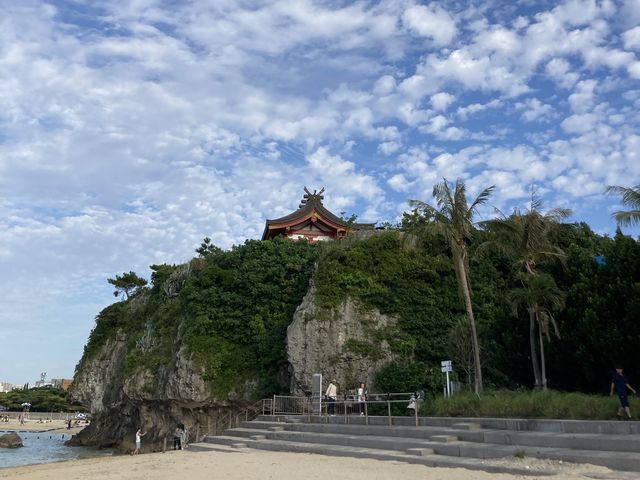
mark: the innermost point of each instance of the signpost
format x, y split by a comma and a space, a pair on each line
447, 367
316, 393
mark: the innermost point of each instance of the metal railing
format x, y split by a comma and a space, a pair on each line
232, 418
377, 404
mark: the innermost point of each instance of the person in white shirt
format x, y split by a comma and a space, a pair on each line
362, 397
139, 436
332, 395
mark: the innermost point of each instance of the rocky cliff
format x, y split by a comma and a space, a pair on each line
213, 336
156, 401
341, 343
345, 343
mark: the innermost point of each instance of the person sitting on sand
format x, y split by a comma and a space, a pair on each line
139, 436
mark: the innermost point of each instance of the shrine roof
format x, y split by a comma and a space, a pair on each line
311, 202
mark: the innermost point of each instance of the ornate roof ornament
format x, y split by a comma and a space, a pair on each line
308, 196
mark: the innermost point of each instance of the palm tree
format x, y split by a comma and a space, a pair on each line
453, 219
631, 198
527, 238
541, 297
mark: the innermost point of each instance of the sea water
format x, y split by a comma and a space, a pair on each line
45, 447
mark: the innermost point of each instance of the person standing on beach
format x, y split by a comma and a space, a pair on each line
177, 438
620, 384
139, 436
332, 395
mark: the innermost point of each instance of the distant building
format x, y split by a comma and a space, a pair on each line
63, 383
311, 221
5, 387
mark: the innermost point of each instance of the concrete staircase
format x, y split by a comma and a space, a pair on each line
444, 442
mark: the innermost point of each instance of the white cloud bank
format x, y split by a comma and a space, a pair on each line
131, 130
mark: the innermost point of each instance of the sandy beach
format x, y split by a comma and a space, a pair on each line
57, 426
253, 464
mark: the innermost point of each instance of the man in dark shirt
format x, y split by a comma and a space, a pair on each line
620, 384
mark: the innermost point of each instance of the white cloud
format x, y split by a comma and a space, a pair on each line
582, 99
580, 123
534, 110
430, 21
634, 70
559, 70
340, 175
124, 142
471, 109
441, 100
388, 148
399, 183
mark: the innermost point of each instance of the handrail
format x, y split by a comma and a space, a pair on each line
317, 406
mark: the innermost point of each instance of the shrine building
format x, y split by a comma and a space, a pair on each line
311, 221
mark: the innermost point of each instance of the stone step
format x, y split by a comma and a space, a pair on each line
245, 432
466, 426
212, 447
606, 427
420, 451
628, 443
589, 441
467, 452
444, 438
396, 431
450, 448
380, 454
227, 440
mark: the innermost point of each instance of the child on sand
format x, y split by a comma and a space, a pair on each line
620, 384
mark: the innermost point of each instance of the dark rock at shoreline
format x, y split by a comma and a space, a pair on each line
10, 440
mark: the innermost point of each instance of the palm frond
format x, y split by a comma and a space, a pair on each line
631, 198
558, 214
482, 198
627, 219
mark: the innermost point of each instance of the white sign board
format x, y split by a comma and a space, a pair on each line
446, 367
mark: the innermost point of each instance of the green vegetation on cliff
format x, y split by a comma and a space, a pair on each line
229, 310
599, 278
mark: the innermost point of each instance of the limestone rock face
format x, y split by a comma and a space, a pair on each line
341, 343
10, 440
155, 400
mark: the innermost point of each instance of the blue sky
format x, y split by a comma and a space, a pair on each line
130, 130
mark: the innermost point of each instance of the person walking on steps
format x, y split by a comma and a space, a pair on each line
620, 384
332, 395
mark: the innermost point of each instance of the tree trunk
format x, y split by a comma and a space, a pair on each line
466, 295
543, 364
534, 349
